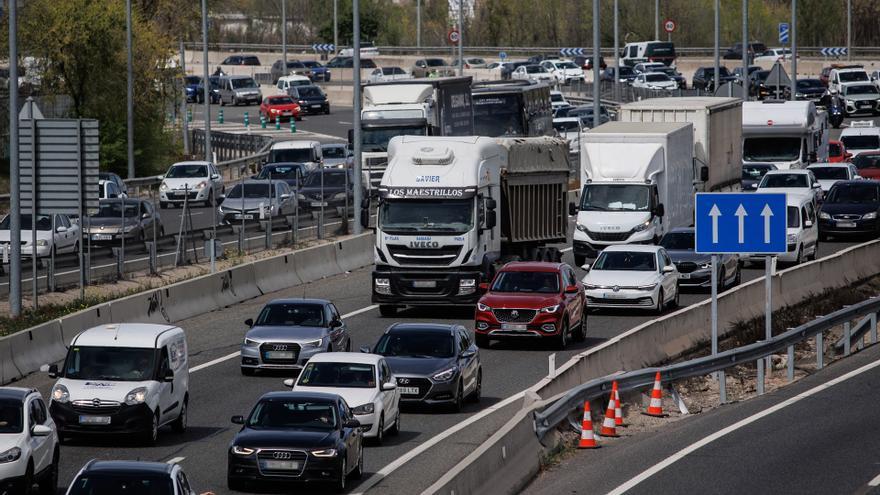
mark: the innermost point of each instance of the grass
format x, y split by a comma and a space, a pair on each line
31, 317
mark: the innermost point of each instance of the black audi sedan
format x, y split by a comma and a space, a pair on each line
296, 437
850, 207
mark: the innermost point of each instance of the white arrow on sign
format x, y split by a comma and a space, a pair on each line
766, 213
741, 215
714, 213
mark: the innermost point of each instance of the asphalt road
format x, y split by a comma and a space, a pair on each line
810, 441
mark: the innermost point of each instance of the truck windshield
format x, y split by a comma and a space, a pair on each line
377, 139
132, 364
616, 197
498, 115
291, 155
771, 149
453, 216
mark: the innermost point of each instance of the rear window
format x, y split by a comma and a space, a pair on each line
867, 161
830, 173
865, 142
660, 50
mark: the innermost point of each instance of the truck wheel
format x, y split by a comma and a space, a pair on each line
387, 311
482, 341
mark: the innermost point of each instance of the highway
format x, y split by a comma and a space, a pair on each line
816, 436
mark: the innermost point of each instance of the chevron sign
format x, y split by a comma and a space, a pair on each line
324, 47
570, 52
833, 52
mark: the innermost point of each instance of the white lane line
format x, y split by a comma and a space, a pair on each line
565, 250
410, 455
235, 354
344, 122
875, 481
175, 460
644, 475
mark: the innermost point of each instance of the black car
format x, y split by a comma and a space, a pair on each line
674, 75
850, 207
811, 89
241, 60
736, 51
327, 186
704, 78
130, 477
348, 63
434, 364
695, 269
296, 437
214, 81
292, 173
585, 113
759, 87
752, 173
311, 99
627, 74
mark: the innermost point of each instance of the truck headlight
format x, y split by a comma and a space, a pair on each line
825, 216
60, 394
869, 216
10, 455
136, 396
364, 409
642, 226
445, 375
582, 228
382, 286
467, 286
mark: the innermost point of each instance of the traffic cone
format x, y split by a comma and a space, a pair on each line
656, 407
588, 440
618, 413
608, 428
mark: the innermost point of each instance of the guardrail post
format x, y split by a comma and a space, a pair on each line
117, 253
873, 328
790, 363
154, 262
760, 383
846, 338
820, 352
50, 274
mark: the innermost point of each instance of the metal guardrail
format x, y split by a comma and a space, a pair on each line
558, 412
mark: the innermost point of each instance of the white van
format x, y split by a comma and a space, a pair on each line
122, 378
788, 134
286, 82
308, 153
802, 232
648, 51
861, 136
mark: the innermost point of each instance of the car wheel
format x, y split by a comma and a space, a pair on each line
359, 470
580, 333
380, 432
234, 101
76, 248
459, 398
222, 102
27, 482
179, 424
676, 300
815, 253
348, 346
395, 428
151, 435
387, 311
49, 485
482, 341
800, 256
721, 278
562, 338
823, 237
659, 308
327, 111
478, 389
739, 273
340, 483
247, 371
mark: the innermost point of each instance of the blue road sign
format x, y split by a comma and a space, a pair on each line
833, 52
323, 47
502, 55
741, 223
783, 32
571, 52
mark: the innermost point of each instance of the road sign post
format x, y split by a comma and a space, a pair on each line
669, 26
734, 223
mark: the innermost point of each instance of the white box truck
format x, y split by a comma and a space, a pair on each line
452, 208
637, 184
788, 134
717, 134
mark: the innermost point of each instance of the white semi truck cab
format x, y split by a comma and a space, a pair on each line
451, 208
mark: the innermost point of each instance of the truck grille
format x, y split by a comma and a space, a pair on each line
442, 256
608, 236
282, 455
514, 315
279, 347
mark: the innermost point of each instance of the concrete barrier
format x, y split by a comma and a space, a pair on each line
8, 370
355, 252
235, 285
277, 273
37, 346
85, 319
144, 307
316, 262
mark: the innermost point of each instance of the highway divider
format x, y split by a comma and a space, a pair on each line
24, 352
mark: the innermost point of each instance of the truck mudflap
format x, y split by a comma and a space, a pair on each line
426, 287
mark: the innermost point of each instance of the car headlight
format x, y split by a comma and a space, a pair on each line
483, 307
10, 455
60, 393
647, 287
300, 197
250, 342
339, 195
42, 242
220, 209
244, 451
825, 216
792, 238
324, 453
704, 266
201, 185
869, 216
445, 375
136, 396
642, 226
550, 309
582, 228
273, 110
163, 187
364, 409
851, 103
314, 343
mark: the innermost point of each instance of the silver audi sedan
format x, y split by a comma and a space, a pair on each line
288, 332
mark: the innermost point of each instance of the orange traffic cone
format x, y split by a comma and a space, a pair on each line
608, 428
618, 413
656, 407
588, 440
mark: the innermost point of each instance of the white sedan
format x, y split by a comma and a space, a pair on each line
654, 80
533, 73
66, 238
794, 181
365, 382
386, 74
829, 173
564, 71
632, 276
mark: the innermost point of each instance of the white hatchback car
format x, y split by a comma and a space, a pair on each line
365, 382
802, 236
654, 80
632, 276
200, 181
29, 447
829, 173
565, 71
793, 181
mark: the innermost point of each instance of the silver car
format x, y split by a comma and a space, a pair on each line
275, 200
290, 331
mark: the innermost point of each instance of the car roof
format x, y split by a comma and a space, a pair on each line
565, 119
638, 248
139, 335
237, 76
858, 182
421, 327
532, 266
829, 165
296, 77
293, 300
191, 162
796, 171
15, 393
296, 394
262, 182
115, 467
798, 199
334, 145
345, 357
294, 144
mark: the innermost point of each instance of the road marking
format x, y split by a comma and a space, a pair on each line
565, 250
175, 460
235, 354
875, 481
344, 122
644, 475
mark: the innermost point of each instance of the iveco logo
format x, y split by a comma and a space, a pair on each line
616, 288
280, 347
424, 244
282, 455
403, 381
514, 314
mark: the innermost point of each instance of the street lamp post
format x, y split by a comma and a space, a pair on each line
14, 182
356, 120
129, 90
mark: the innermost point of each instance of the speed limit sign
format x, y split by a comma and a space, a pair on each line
669, 25
453, 36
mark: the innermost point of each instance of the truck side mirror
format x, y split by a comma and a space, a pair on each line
572, 209
659, 210
491, 204
704, 174
490, 219
365, 218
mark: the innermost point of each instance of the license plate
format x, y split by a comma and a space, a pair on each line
94, 420
684, 275
280, 465
101, 237
614, 295
424, 284
515, 327
316, 106
846, 225
318, 204
279, 355
286, 113
409, 390
239, 216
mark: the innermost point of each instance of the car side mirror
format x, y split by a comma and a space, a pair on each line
145, 216
704, 174
816, 185
53, 371
585, 267
61, 229
215, 177
571, 289
385, 387
221, 197
352, 423
668, 269
365, 218
755, 185
285, 196
335, 323
288, 382
808, 223
491, 220
239, 420
857, 177
161, 177
168, 376
365, 350
249, 322
41, 431
467, 353
572, 209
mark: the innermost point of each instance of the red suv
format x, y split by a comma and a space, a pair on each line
532, 300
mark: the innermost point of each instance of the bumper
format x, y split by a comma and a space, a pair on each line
249, 99
124, 419
429, 392
315, 469
252, 357
369, 424
543, 325
623, 298
425, 287
583, 245
861, 109
316, 107
270, 119
178, 196
832, 227
698, 278
12, 475
42, 251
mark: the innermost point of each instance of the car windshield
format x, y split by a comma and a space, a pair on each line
291, 315
830, 173
406, 216
293, 413
755, 172
331, 178
862, 161
415, 343
678, 241
771, 149
113, 209
130, 483
377, 139
556, 97
310, 92
44, 222
334, 152
297, 155
311, 64
864, 142
129, 364
344, 375
852, 76
515, 281
615, 197
280, 100
860, 89
656, 77
853, 193
566, 65
809, 84
187, 172
10, 416
631, 261
794, 218
435, 62
244, 82
566, 126
252, 191
626, 71
784, 180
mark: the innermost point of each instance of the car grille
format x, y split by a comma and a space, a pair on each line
89, 406
279, 346
282, 455
846, 217
608, 236
686, 267
181, 195
442, 256
423, 384
514, 315
641, 301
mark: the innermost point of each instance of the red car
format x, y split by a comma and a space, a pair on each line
280, 106
532, 300
868, 164
837, 152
